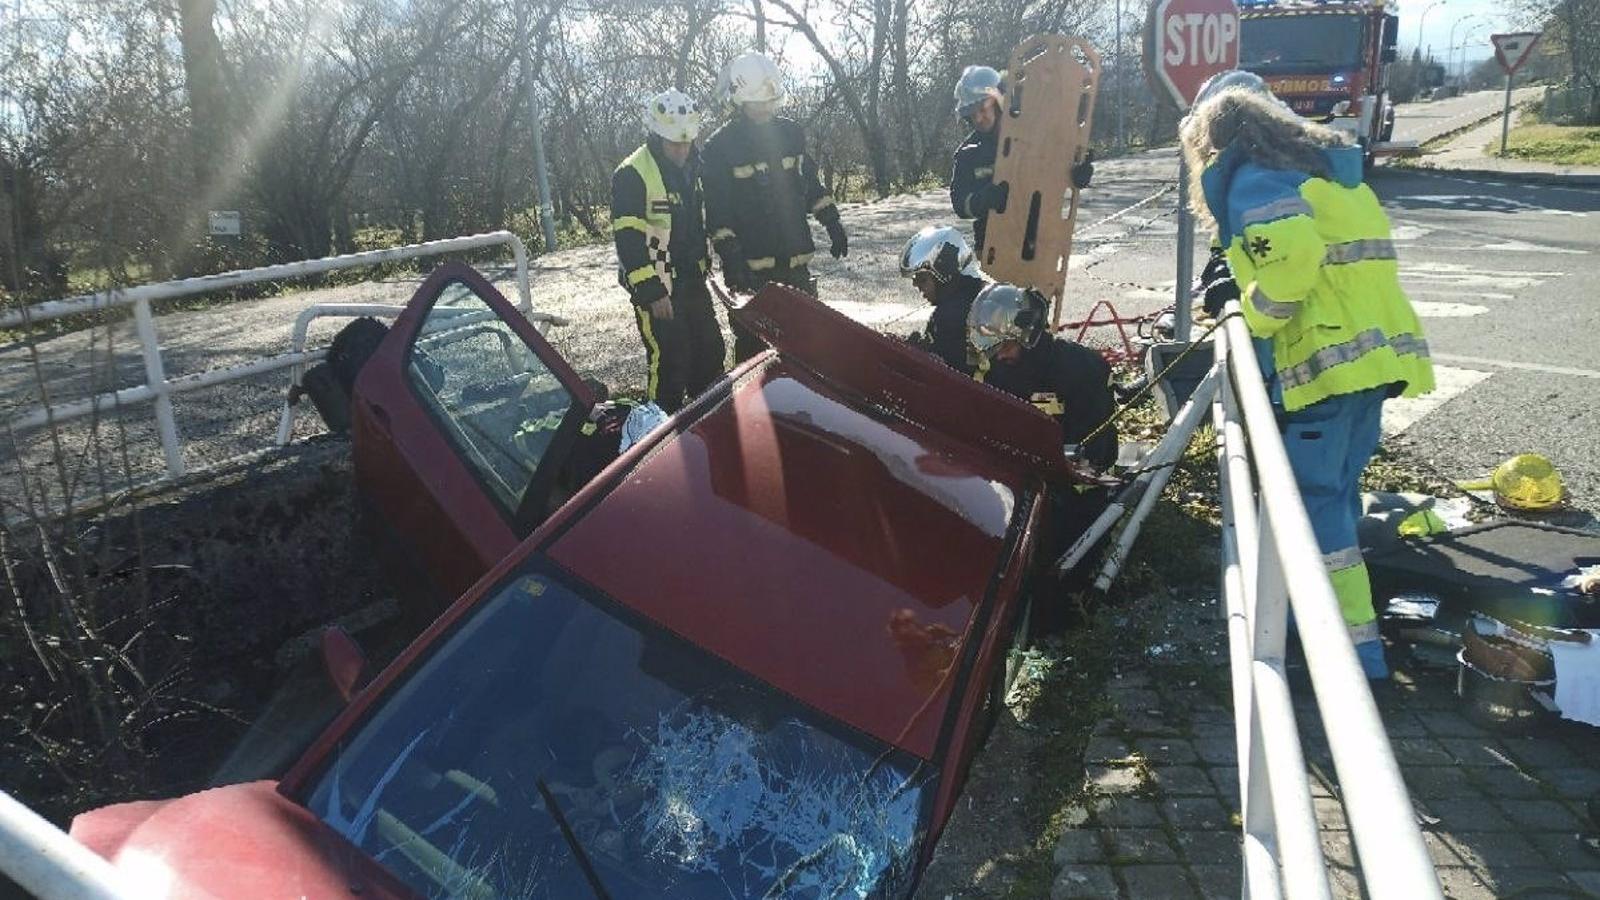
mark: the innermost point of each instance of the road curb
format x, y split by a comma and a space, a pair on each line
1556, 179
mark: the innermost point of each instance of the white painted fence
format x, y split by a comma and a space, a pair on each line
158, 389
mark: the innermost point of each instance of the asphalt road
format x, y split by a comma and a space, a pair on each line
1423, 122
1498, 273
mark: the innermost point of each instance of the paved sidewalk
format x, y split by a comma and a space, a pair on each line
1468, 153
1503, 816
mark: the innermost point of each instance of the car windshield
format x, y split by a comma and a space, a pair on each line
672, 773
1308, 44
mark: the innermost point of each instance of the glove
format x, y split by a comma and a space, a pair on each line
1082, 172
840, 245
1216, 267
1216, 280
736, 275
661, 309
993, 196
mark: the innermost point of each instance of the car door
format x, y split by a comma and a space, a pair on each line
462, 419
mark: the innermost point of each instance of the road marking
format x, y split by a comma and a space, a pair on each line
1472, 276
1485, 203
1430, 309
1477, 295
1517, 366
1516, 246
1449, 382
1409, 232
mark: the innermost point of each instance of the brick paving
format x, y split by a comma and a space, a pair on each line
1503, 815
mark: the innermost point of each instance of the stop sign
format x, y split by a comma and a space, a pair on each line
1188, 41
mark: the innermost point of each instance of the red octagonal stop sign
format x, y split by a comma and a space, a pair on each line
1188, 41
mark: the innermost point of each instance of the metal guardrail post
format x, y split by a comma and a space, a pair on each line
1274, 538
47, 863
155, 376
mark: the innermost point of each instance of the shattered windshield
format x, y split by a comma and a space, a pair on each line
1306, 44
676, 774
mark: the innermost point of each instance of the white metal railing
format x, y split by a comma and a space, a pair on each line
1266, 537
47, 863
159, 389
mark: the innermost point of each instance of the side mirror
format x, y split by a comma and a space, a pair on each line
343, 662
1390, 54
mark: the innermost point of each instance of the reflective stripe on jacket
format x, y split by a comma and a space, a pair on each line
642, 225
761, 185
1319, 278
971, 172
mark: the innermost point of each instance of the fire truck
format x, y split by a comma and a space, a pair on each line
1329, 62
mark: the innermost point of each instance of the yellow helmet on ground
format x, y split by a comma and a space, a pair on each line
1528, 481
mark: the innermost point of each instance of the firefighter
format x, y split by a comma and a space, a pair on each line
656, 221
941, 267
1008, 327
760, 186
1309, 248
973, 193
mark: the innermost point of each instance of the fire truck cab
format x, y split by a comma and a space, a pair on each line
1328, 61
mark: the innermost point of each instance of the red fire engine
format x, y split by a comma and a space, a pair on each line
1328, 61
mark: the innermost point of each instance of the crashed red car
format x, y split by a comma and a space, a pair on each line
752, 658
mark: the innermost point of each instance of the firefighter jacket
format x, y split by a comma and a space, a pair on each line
972, 180
947, 326
1067, 381
1317, 268
760, 186
656, 222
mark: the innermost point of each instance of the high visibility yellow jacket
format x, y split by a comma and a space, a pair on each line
1319, 279
656, 223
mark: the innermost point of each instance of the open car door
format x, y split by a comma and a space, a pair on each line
461, 423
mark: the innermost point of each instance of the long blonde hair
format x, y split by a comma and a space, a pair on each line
1263, 129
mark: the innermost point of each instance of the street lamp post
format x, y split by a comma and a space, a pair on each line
1449, 47
1461, 64
1423, 20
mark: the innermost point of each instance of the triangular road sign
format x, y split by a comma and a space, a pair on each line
1511, 50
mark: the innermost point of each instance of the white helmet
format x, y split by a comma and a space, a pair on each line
977, 84
750, 78
939, 250
673, 115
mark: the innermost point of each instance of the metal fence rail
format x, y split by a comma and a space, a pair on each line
158, 389
1270, 564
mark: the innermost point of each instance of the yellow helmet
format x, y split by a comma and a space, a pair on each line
1528, 481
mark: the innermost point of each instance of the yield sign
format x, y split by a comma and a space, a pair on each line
1188, 41
1511, 50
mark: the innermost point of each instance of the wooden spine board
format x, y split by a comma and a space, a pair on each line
1037, 149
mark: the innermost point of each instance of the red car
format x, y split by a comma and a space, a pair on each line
752, 658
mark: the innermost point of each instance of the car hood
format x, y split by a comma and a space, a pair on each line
242, 841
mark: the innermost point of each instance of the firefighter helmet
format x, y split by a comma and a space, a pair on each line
750, 78
673, 115
977, 84
1005, 312
940, 251
1529, 482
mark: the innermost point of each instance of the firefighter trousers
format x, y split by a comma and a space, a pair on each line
746, 344
683, 354
1329, 445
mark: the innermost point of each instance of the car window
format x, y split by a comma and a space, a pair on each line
496, 402
677, 775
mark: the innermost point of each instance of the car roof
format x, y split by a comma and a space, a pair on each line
836, 554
